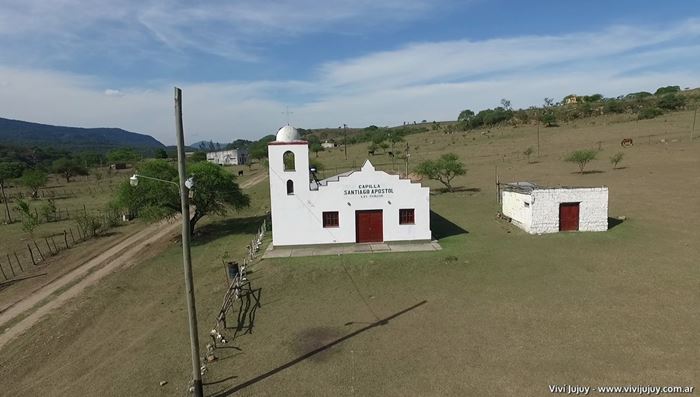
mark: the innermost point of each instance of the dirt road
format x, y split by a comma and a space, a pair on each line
122, 254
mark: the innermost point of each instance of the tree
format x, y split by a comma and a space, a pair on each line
8, 170
152, 200
395, 138
593, 98
30, 220
548, 102
34, 180
506, 104
258, 150
671, 102
465, 115
68, 168
444, 169
528, 152
549, 119
581, 157
667, 90
616, 158
384, 146
649, 113
198, 156
123, 155
215, 191
614, 106
90, 159
161, 154
316, 147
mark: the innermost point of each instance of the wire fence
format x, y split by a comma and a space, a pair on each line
238, 288
15, 266
58, 193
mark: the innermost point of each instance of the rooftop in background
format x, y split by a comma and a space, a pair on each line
528, 187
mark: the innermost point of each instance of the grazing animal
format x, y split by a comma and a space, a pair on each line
240, 173
391, 154
626, 142
370, 152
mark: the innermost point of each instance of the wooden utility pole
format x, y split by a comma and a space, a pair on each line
538, 138
407, 155
186, 255
498, 187
345, 142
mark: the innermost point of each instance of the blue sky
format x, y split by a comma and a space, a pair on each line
361, 62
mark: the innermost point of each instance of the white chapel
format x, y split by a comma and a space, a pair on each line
362, 206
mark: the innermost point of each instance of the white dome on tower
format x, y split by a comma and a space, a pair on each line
287, 134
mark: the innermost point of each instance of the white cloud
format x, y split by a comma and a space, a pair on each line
111, 92
432, 81
231, 29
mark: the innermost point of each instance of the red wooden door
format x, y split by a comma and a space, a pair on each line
568, 216
369, 226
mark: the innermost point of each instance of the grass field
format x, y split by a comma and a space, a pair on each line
496, 312
83, 193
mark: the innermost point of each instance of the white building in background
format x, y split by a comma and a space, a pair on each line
228, 157
537, 209
353, 207
328, 145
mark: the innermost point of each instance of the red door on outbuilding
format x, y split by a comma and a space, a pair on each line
568, 216
369, 226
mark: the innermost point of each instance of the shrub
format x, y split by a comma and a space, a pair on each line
667, 90
671, 102
614, 106
49, 211
616, 158
649, 113
581, 157
89, 225
30, 220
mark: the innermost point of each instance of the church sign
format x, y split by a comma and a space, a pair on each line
369, 190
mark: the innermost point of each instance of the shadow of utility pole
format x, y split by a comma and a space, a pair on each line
299, 359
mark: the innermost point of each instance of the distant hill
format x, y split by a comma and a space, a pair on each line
208, 146
23, 133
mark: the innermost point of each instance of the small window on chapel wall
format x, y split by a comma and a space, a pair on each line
406, 216
288, 159
330, 219
290, 187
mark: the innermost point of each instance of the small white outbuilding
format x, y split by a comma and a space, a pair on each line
228, 157
538, 209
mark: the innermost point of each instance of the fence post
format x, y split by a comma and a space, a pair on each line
37, 248
18, 262
71, 234
54, 244
65, 238
31, 254
3, 272
48, 246
10, 262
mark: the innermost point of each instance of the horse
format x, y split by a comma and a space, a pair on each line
626, 142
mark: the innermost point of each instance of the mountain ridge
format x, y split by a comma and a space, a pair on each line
99, 139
